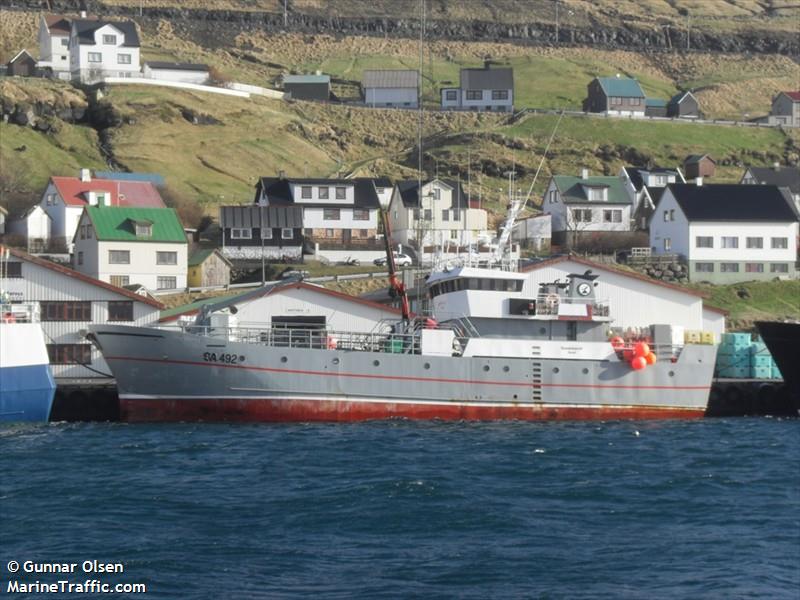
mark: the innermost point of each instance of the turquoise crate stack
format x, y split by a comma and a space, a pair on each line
739, 356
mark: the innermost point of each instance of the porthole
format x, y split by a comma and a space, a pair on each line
284, 359
585, 371
485, 367
427, 365
555, 369
506, 369
672, 373
377, 363
542, 330
515, 396
336, 361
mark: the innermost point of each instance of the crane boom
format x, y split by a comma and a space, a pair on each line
396, 285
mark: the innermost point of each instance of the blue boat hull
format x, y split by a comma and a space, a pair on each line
26, 394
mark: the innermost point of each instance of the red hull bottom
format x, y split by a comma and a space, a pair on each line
285, 411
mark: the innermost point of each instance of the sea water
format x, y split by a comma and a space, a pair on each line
398, 509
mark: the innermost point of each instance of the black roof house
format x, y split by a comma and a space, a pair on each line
409, 194
733, 202
277, 191
635, 175
85, 29
485, 78
788, 177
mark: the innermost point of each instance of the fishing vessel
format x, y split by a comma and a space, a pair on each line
26, 383
488, 352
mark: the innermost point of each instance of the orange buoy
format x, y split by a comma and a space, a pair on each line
617, 342
651, 358
627, 355
641, 349
638, 363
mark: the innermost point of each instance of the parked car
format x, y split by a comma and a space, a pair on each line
400, 260
293, 274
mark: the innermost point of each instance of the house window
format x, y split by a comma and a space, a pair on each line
119, 257
451, 95
12, 270
553, 197
754, 267
88, 232
305, 192
66, 311
667, 244
109, 39
123, 59
287, 233
241, 234
755, 242
266, 233
341, 193
65, 42
445, 215
120, 280
635, 101
779, 268
704, 241
780, 243
360, 214
364, 233
582, 215
416, 214
456, 214
658, 180
144, 229
612, 216
666, 216
428, 214
730, 242
95, 57
729, 267
596, 194
704, 267
51, 199
70, 354
308, 232
166, 258
331, 214
616, 100
167, 283
672, 214
437, 193
323, 193
499, 94
474, 94
80, 257
329, 233
120, 310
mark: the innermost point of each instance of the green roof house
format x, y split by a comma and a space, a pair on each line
615, 95
586, 204
126, 245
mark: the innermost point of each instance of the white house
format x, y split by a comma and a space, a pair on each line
634, 300
644, 187
727, 233
65, 197
99, 49
783, 177
70, 301
54, 32
335, 211
482, 89
586, 204
391, 88
785, 109
293, 305
124, 246
34, 227
533, 232
441, 217
3, 217
173, 71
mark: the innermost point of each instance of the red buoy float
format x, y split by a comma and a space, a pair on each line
638, 363
651, 358
641, 349
627, 355
617, 342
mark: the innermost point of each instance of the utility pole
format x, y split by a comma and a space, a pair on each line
556, 1
285, 15
688, 30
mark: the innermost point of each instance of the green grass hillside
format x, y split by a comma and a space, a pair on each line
754, 301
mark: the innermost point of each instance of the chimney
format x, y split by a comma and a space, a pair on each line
281, 174
584, 173
85, 175
83, 14
698, 181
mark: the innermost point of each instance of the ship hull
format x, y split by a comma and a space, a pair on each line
26, 383
782, 341
173, 376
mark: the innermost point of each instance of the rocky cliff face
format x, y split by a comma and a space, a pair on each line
217, 27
